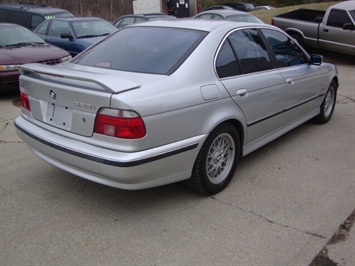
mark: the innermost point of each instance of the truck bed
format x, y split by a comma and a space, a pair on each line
309, 15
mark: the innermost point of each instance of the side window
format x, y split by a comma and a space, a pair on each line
125, 22
20, 18
217, 17
286, 51
352, 14
137, 20
57, 28
35, 21
43, 28
337, 18
226, 64
3, 15
205, 16
251, 51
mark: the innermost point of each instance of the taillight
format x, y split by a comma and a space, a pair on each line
120, 124
272, 22
24, 101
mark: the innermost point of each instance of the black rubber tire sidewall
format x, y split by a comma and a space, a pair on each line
199, 180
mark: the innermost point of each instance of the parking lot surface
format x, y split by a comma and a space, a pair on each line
283, 206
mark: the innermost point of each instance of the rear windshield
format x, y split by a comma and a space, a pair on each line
155, 50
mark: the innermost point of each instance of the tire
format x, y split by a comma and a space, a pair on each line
217, 160
327, 107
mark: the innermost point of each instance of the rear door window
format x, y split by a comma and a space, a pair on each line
226, 63
251, 51
242, 52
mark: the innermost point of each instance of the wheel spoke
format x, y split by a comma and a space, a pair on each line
329, 102
220, 158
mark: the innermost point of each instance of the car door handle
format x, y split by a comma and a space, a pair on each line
289, 81
242, 92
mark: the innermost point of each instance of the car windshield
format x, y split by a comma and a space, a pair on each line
92, 28
18, 36
244, 18
155, 50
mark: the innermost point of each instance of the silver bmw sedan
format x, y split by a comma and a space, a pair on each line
169, 101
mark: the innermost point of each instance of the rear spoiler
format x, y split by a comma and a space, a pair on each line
110, 83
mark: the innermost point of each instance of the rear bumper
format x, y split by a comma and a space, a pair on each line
127, 170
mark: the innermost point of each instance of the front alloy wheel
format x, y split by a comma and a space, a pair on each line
327, 107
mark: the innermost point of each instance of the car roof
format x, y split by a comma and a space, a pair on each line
199, 24
224, 12
148, 15
10, 24
77, 18
347, 5
218, 7
40, 9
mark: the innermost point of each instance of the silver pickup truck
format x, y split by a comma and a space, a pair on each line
333, 29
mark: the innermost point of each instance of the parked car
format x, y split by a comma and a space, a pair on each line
219, 7
172, 100
333, 29
263, 7
30, 15
131, 19
233, 15
18, 46
74, 34
240, 6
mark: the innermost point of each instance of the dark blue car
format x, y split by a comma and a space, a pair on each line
74, 34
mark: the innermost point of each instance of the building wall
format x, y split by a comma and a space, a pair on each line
147, 6
154, 6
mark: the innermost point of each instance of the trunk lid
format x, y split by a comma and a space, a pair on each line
68, 96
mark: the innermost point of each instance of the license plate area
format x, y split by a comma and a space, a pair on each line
59, 116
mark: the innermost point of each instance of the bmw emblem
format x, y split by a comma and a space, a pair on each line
53, 95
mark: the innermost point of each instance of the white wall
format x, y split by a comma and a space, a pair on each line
154, 6
147, 6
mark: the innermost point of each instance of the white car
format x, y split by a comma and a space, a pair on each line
168, 101
264, 7
232, 15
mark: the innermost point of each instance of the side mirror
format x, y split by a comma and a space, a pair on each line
316, 60
348, 26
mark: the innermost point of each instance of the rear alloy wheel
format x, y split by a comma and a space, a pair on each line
327, 107
216, 162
